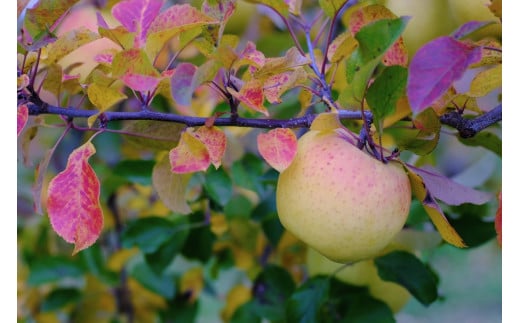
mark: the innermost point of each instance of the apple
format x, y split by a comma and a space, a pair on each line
340, 200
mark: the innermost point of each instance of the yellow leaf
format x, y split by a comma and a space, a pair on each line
219, 224
486, 81
170, 187
237, 296
118, 259
192, 282
103, 97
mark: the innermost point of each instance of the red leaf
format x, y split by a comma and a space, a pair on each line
73, 200
215, 141
278, 147
190, 155
435, 67
137, 16
21, 118
252, 95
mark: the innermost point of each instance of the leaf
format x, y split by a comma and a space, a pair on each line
170, 187
277, 84
218, 186
278, 147
215, 141
435, 67
384, 92
251, 94
341, 47
151, 134
135, 170
148, 233
498, 220
173, 21
278, 5
305, 303
181, 83
496, 8
22, 116
470, 27
272, 66
73, 200
133, 67
331, 7
448, 191
433, 210
405, 269
68, 42
104, 97
52, 269
250, 56
271, 289
486, 81
192, 283
190, 155
137, 16
45, 15
163, 285
53, 80
326, 121
59, 298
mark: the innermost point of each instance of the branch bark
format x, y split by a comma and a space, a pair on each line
470, 127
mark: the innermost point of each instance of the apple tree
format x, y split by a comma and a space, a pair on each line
250, 160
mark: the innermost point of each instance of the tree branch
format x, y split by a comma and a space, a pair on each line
470, 127
300, 122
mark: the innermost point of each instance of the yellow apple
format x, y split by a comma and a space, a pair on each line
340, 200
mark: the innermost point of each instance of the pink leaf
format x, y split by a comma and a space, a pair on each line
181, 81
252, 95
215, 141
137, 16
22, 117
278, 147
73, 200
180, 17
435, 67
221, 10
190, 155
140, 82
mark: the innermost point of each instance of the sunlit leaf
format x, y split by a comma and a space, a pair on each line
435, 67
407, 270
173, 21
433, 210
135, 70
137, 16
190, 155
331, 7
67, 43
384, 92
45, 14
277, 147
103, 97
326, 121
22, 116
215, 141
181, 81
251, 94
170, 187
277, 84
272, 66
278, 5
73, 200
486, 81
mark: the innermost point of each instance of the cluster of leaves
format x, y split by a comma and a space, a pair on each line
175, 200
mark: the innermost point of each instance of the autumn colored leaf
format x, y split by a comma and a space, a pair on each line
215, 141
170, 187
53, 80
173, 21
331, 7
280, 6
421, 192
237, 296
104, 97
119, 35
435, 67
137, 16
342, 46
46, 14
276, 85
272, 66
278, 147
67, 43
151, 134
135, 70
250, 56
498, 220
192, 283
73, 200
470, 27
251, 94
21, 118
190, 155
486, 81
180, 83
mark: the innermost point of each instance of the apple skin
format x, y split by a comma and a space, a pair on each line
340, 200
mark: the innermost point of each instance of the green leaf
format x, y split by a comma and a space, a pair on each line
304, 304
160, 284
165, 254
135, 170
383, 94
148, 234
218, 186
199, 244
471, 224
272, 287
369, 310
484, 139
405, 269
60, 297
265, 212
238, 206
53, 269
157, 135
95, 262
246, 314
